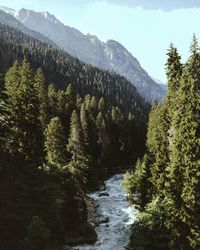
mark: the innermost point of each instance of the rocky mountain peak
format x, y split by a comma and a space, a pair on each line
25, 15
9, 17
93, 39
111, 55
9, 11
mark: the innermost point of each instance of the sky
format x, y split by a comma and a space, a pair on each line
145, 27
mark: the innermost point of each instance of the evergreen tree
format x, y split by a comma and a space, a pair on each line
43, 99
137, 184
75, 143
173, 72
115, 132
70, 101
4, 121
52, 101
101, 105
23, 105
158, 146
85, 129
26, 188
103, 139
55, 143
93, 106
184, 182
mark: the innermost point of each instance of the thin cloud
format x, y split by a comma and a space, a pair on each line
166, 5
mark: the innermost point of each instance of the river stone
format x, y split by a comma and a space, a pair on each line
104, 194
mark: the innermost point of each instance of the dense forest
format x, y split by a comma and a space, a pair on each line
63, 125
166, 183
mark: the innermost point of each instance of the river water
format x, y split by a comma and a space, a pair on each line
115, 217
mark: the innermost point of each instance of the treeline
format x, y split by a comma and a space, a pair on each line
54, 145
63, 125
166, 182
60, 68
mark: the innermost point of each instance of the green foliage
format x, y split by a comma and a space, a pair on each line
137, 184
55, 143
184, 168
75, 144
158, 147
57, 140
79, 169
52, 101
148, 232
38, 235
42, 96
173, 147
60, 68
23, 106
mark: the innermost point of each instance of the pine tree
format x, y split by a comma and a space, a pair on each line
12, 79
70, 100
5, 162
52, 101
91, 109
173, 72
93, 106
115, 133
183, 192
191, 190
101, 105
158, 146
85, 129
103, 139
100, 125
75, 143
42, 95
4, 121
137, 184
23, 105
55, 143
87, 101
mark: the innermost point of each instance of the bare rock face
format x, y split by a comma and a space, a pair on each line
7, 16
88, 48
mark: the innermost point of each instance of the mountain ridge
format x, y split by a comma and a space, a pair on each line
110, 55
10, 20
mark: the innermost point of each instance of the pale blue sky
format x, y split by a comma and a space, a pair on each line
144, 27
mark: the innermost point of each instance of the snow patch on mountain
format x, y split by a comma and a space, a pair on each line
111, 55
9, 11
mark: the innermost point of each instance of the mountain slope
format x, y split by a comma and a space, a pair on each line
75, 136
62, 69
110, 55
7, 17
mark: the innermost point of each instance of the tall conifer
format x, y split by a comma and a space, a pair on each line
55, 143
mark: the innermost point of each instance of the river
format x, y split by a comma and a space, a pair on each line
115, 217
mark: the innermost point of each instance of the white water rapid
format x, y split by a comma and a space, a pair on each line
115, 217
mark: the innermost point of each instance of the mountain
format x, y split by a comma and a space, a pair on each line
7, 16
59, 141
62, 69
162, 84
88, 48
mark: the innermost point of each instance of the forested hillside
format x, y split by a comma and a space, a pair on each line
166, 183
63, 124
110, 55
61, 68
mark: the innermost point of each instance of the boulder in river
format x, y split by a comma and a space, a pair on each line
104, 194
103, 219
